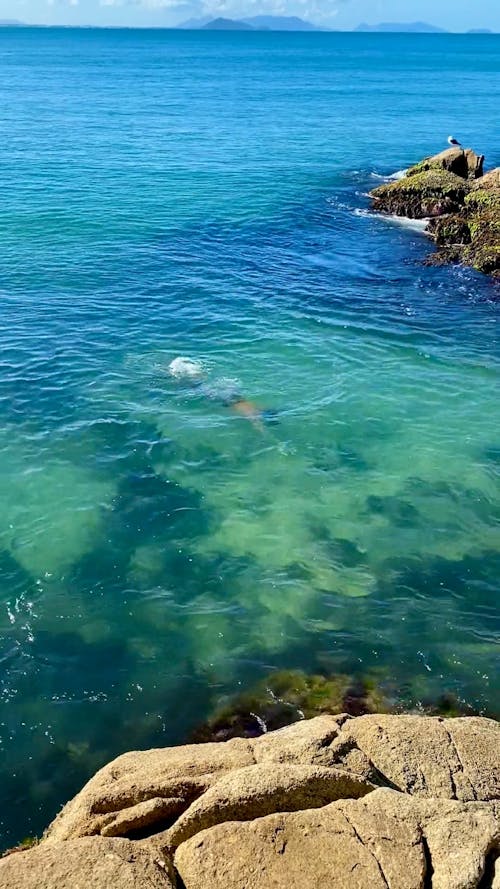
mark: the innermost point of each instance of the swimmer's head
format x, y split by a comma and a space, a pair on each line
186, 369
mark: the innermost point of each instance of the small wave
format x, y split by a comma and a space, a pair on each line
224, 389
417, 225
399, 174
392, 177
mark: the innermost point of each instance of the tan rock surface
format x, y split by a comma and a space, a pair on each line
491, 179
303, 742
87, 863
171, 774
293, 808
475, 163
431, 756
306, 850
427, 756
383, 840
263, 789
463, 162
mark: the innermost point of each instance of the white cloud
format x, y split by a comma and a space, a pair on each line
315, 10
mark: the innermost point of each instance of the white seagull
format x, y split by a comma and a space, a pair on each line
453, 142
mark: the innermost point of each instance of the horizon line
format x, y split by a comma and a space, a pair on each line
320, 29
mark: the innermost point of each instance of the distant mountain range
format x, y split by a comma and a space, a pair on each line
286, 23
401, 27
253, 23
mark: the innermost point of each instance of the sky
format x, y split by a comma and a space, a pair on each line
454, 15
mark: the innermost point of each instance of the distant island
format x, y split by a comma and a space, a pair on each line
221, 24
253, 23
280, 23
401, 27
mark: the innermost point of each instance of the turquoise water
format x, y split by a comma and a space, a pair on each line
204, 195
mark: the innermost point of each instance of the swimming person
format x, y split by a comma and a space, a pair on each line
224, 391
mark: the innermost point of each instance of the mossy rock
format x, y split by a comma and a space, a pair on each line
464, 213
424, 166
23, 846
286, 697
430, 193
483, 218
485, 257
449, 230
484, 199
463, 162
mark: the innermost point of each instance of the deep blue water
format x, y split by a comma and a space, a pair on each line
174, 194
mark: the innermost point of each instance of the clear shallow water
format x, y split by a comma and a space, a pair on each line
171, 194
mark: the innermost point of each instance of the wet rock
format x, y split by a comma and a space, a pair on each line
423, 194
482, 216
287, 696
463, 206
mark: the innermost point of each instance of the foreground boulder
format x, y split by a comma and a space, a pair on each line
89, 863
462, 204
385, 840
370, 801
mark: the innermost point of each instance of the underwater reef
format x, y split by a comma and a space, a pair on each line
461, 203
288, 696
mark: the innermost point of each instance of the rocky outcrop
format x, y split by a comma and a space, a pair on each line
88, 863
373, 801
422, 194
462, 162
385, 840
463, 206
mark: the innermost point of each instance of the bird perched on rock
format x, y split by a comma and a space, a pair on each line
453, 142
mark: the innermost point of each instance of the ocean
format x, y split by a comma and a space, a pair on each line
204, 195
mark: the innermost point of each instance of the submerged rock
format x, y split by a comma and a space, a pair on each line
288, 696
463, 206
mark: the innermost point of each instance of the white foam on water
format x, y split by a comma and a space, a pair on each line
185, 368
392, 177
417, 225
399, 174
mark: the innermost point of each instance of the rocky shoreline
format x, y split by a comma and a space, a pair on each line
375, 801
461, 203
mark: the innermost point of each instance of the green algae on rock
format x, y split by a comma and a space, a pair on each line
464, 163
287, 696
429, 192
462, 204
